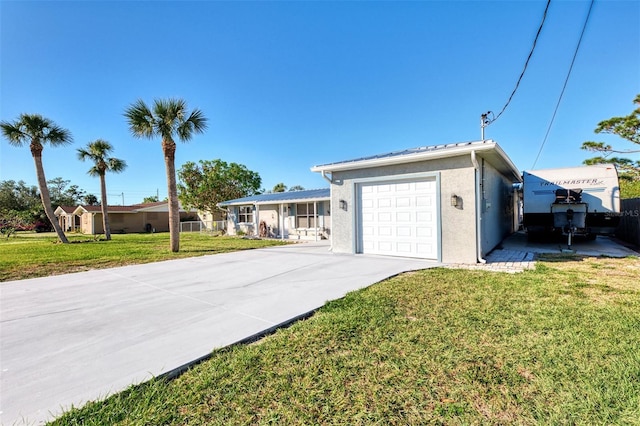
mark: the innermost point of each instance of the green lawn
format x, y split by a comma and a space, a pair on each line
30, 255
556, 345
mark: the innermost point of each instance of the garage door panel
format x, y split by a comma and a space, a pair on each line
423, 217
404, 221
385, 231
403, 231
403, 217
424, 232
403, 202
423, 201
384, 202
404, 248
384, 217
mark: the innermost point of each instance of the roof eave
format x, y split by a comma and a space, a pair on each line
269, 202
406, 158
424, 156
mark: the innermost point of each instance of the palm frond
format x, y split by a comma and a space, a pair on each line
94, 171
196, 123
116, 165
97, 151
57, 136
100, 147
29, 127
12, 132
141, 120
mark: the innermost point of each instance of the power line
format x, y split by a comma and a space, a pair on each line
526, 64
566, 80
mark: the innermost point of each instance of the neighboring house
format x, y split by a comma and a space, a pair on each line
304, 215
150, 217
450, 203
68, 221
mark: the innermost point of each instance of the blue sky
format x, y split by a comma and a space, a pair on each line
287, 85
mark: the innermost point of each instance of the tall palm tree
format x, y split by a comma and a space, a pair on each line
168, 118
98, 152
38, 131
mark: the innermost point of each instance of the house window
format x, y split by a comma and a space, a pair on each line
305, 215
245, 214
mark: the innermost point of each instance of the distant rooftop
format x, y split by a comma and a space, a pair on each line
281, 197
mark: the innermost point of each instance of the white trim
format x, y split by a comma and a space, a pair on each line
276, 202
412, 157
407, 158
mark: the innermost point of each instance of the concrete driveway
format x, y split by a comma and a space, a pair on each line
74, 338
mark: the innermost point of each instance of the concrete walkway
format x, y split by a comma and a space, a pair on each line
517, 253
73, 338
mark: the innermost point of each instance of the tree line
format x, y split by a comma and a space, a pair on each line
201, 185
167, 119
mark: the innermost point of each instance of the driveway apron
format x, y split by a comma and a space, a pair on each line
69, 339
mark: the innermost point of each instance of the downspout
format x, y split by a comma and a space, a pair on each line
478, 208
330, 180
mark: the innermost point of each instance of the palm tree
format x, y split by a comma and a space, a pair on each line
38, 131
98, 152
168, 118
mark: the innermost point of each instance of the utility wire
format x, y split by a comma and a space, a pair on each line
566, 80
535, 41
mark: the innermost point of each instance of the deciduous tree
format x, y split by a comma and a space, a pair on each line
210, 182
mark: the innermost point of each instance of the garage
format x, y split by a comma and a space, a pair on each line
398, 218
450, 203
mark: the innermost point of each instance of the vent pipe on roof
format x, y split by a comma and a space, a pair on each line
478, 208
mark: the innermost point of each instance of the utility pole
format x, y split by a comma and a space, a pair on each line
484, 122
123, 198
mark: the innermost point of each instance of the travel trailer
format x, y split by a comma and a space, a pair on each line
572, 201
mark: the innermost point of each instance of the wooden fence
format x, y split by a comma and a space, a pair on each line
629, 228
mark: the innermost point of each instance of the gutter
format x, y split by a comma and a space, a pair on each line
478, 209
324, 175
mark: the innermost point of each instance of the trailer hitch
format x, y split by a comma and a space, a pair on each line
569, 229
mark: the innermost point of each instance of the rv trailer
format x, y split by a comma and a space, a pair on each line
572, 201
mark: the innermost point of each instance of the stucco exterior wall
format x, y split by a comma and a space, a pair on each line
458, 224
270, 214
497, 207
129, 222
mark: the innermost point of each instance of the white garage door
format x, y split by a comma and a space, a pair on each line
399, 218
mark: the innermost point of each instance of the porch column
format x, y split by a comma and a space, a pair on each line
256, 229
315, 219
281, 221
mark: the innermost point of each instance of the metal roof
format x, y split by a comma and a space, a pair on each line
281, 197
486, 148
